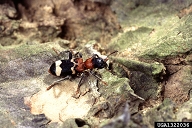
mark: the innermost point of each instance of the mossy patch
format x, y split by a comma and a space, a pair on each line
147, 68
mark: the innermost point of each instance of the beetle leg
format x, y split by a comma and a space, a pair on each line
97, 77
56, 82
77, 95
79, 84
70, 54
78, 55
56, 51
61, 53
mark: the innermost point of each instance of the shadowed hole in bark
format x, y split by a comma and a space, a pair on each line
80, 122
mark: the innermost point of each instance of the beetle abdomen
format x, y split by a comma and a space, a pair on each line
62, 68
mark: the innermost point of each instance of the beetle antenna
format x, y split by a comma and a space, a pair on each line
112, 53
106, 59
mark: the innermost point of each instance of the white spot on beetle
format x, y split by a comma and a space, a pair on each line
73, 60
58, 68
73, 70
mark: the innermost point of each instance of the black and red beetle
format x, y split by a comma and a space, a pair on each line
75, 66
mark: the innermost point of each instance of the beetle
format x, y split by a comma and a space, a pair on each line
74, 66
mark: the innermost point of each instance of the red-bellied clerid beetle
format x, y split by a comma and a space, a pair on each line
75, 66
